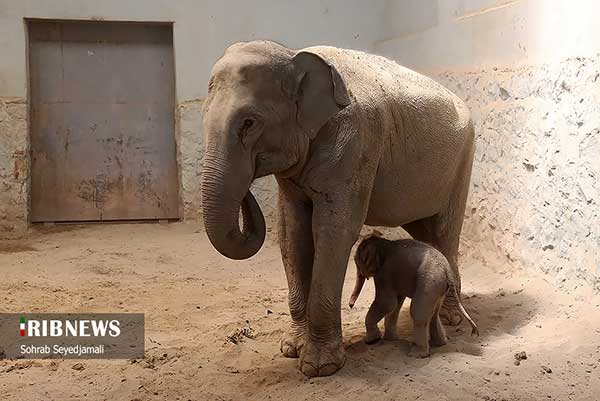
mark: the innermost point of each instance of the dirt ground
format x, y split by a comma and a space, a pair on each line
194, 299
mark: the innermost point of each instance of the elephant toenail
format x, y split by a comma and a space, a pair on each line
309, 370
289, 351
328, 369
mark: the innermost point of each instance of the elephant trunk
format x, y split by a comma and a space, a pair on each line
358, 285
223, 194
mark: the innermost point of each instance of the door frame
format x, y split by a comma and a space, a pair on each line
27, 21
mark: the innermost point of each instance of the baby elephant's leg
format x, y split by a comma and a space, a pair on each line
436, 329
391, 322
421, 311
381, 306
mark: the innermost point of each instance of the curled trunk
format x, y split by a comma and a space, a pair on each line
223, 194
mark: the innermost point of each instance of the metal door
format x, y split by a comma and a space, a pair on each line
102, 97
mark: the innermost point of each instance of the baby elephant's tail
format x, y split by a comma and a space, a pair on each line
461, 308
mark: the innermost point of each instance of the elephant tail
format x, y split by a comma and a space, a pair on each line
461, 307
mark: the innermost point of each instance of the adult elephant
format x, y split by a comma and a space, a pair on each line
352, 139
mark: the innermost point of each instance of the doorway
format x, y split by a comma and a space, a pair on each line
102, 103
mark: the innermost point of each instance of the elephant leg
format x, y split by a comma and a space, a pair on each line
335, 230
382, 306
443, 232
449, 224
437, 334
443, 235
296, 243
391, 322
421, 310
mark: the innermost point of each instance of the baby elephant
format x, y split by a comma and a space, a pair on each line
406, 268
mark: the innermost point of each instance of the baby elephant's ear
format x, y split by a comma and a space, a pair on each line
371, 257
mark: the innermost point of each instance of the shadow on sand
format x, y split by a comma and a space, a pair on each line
496, 314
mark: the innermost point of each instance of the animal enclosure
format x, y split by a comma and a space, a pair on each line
103, 108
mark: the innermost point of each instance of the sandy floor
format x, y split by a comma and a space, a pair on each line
194, 299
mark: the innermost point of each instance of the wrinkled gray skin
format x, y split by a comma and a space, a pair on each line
352, 139
400, 269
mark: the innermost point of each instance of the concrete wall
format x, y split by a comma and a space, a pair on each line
436, 35
528, 69
202, 31
530, 73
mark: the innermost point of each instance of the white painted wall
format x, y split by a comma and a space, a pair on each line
435, 35
202, 29
529, 71
535, 192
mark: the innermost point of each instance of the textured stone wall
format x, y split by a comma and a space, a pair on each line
191, 150
14, 167
534, 193
535, 190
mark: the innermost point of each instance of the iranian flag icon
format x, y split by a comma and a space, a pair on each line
22, 327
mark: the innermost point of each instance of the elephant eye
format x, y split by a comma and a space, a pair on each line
247, 124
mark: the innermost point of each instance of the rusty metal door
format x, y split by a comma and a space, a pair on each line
102, 121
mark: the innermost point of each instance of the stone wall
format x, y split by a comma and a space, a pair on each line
202, 30
14, 166
190, 151
528, 70
535, 194
14, 163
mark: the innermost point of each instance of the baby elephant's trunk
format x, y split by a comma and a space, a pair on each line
360, 280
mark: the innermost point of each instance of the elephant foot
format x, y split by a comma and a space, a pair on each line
391, 335
419, 351
292, 341
373, 336
450, 316
438, 341
322, 359
372, 340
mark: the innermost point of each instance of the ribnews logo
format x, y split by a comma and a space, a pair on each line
78, 328
72, 335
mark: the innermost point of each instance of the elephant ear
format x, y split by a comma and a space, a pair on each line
320, 91
368, 256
